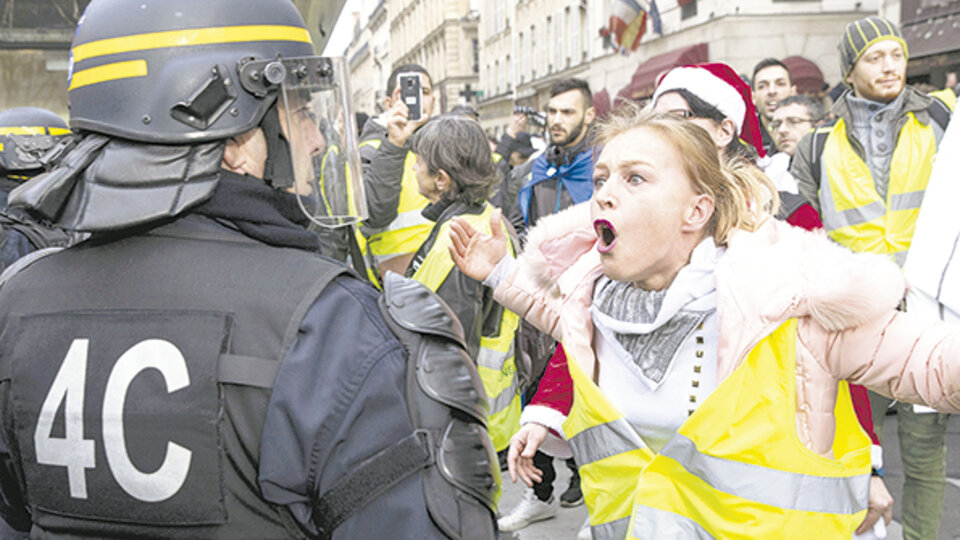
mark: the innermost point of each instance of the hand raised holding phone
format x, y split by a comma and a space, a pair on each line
409, 110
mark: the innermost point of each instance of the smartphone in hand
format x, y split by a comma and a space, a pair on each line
411, 93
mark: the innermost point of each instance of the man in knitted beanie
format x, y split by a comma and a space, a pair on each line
866, 173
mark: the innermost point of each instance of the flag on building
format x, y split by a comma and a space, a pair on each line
655, 17
628, 22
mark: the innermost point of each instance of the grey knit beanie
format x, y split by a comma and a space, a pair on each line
859, 35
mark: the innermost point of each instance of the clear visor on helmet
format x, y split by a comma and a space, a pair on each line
318, 122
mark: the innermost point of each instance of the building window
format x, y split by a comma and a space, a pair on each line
476, 55
499, 15
573, 37
688, 9
551, 43
524, 57
583, 31
534, 51
508, 74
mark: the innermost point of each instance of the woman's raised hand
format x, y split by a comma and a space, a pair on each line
523, 445
477, 254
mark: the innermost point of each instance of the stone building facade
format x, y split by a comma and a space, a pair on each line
440, 35
561, 38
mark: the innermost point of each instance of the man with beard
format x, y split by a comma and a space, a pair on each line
559, 177
867, 173
563, 174
771, 84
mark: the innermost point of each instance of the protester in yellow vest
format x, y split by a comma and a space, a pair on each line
394, 228
866, 174
456, 174
709, 345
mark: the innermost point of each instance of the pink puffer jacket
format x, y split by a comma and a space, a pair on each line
845, 303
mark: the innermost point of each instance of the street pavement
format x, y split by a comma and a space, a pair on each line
562, 527
569, 520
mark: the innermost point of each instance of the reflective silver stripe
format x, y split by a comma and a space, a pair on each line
605, 440
493, 359
407, 219
505, 398
611, 530
906, 201
900, 258
833, 219
653, 523
782, 489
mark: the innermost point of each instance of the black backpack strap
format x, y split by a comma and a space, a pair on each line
370, 479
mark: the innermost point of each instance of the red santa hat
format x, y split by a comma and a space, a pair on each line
720, 86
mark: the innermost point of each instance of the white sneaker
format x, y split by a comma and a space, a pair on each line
585, 533
528, 510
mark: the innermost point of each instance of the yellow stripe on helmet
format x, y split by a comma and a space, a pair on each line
23, 130
108, 72
188, 37
32, 130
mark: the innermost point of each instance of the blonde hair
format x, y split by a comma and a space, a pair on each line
744, 197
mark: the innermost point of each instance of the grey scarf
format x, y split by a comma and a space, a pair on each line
652, 351
651, 325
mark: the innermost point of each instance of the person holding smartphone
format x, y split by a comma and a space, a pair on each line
394, 228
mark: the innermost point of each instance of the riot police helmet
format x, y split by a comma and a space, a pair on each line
26, 135
168, 71
182, 72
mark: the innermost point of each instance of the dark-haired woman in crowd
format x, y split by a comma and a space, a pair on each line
456, 173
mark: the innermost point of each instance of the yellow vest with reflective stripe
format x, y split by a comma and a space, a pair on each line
852, 211
496, 361
735, 469
407, 232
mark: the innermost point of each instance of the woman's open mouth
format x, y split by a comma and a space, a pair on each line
606, 233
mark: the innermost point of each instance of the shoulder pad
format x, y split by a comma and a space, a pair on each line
418, 309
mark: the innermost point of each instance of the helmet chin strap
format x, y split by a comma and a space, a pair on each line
278, 170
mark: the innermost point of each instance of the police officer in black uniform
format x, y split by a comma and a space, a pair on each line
28, 138
195, 369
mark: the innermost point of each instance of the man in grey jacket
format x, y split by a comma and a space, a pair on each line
866, 174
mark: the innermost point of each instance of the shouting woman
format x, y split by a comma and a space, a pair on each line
710, 346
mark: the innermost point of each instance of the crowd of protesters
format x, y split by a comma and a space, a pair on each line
699, 303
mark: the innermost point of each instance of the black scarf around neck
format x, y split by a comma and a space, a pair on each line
260, 212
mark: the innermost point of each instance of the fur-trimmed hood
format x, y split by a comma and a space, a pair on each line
766, 276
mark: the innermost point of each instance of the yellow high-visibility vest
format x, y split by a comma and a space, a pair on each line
852, 211
407, 232
735, 469
496, 361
